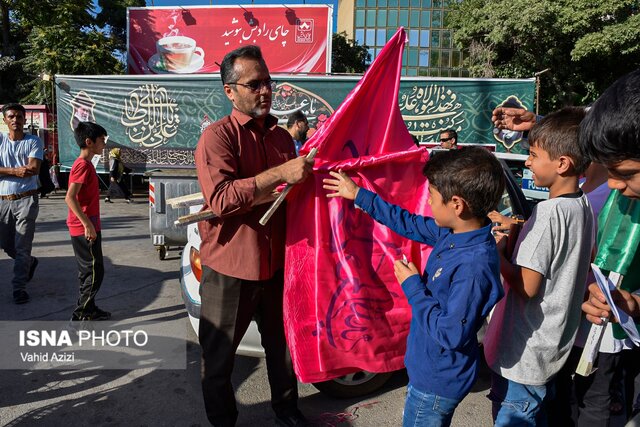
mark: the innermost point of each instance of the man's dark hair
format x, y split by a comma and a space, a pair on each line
471, 173
13, 107
296, 116
610, 132
557, 134
227, 71
452, 134
89, 130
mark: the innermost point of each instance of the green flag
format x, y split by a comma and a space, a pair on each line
619, 243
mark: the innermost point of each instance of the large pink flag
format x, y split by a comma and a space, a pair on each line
344, 309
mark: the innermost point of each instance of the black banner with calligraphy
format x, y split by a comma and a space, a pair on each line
157, 120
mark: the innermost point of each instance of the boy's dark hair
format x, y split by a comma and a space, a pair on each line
13, 107
557, 134
611, 130
227, 71
472, 173
296, 116
89, 130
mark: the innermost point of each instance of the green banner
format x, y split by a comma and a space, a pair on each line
157, 120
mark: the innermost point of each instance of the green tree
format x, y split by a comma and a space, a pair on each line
113, 17
586, 44
55, 37
347, 56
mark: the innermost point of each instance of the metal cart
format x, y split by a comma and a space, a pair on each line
163, 185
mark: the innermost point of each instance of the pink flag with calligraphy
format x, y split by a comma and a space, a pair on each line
344, 309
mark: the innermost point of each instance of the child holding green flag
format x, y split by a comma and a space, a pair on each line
610, 134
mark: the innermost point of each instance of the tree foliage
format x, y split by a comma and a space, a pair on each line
56, 37
347, 56
586, 44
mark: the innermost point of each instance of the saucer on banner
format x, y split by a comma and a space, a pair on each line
156, 65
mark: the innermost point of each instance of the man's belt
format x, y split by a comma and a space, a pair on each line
19, 195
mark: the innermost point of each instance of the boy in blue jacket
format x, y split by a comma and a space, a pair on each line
461, 281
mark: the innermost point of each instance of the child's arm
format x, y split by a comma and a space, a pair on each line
415, 227
524, 281
454, 326
72, 201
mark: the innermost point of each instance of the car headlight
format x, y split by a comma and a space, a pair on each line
194, 260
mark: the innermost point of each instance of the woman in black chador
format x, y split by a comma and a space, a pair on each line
117, 187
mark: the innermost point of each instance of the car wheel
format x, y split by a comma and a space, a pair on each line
353, 385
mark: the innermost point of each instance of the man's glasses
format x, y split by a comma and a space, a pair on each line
446, 139
256, 86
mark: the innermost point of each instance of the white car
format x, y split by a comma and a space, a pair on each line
352, 385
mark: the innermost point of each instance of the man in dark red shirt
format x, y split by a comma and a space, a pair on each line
240, 161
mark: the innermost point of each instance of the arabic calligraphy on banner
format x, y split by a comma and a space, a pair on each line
255, 34
160, 157
289, 98
427, 110
162, 118
150, 116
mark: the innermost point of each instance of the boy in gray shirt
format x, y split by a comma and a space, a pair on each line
533, 327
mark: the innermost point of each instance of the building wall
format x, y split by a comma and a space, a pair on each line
430, 51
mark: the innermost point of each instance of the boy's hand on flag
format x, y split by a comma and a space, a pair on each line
404, 270
341, 185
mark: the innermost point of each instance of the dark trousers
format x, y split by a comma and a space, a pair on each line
90, 271
592, 392
228, 305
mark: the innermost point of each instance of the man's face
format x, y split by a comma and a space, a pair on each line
256, 104
302, 127
14, 119
447, 140
625, 177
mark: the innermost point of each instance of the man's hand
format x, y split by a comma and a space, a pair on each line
404, 271
295, 170
342, 185
23, 171
112, 179
517, 119
596, 305
90, 232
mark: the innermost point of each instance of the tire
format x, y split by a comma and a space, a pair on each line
353, 385
162, 252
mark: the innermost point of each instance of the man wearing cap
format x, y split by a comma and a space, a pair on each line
20, 158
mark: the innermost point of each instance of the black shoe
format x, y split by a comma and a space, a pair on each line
292, 419
20, 297
107, 200
129, 200
95, 314
32, 269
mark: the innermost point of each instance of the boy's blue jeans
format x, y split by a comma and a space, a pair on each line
427, 410
515, 404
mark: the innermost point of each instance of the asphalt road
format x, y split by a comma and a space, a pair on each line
138, 285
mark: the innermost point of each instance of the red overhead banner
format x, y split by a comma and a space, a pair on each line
185, 40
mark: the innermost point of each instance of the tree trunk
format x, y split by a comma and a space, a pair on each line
4, 13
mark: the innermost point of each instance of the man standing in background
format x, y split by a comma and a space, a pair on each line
20, 158
298, 126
